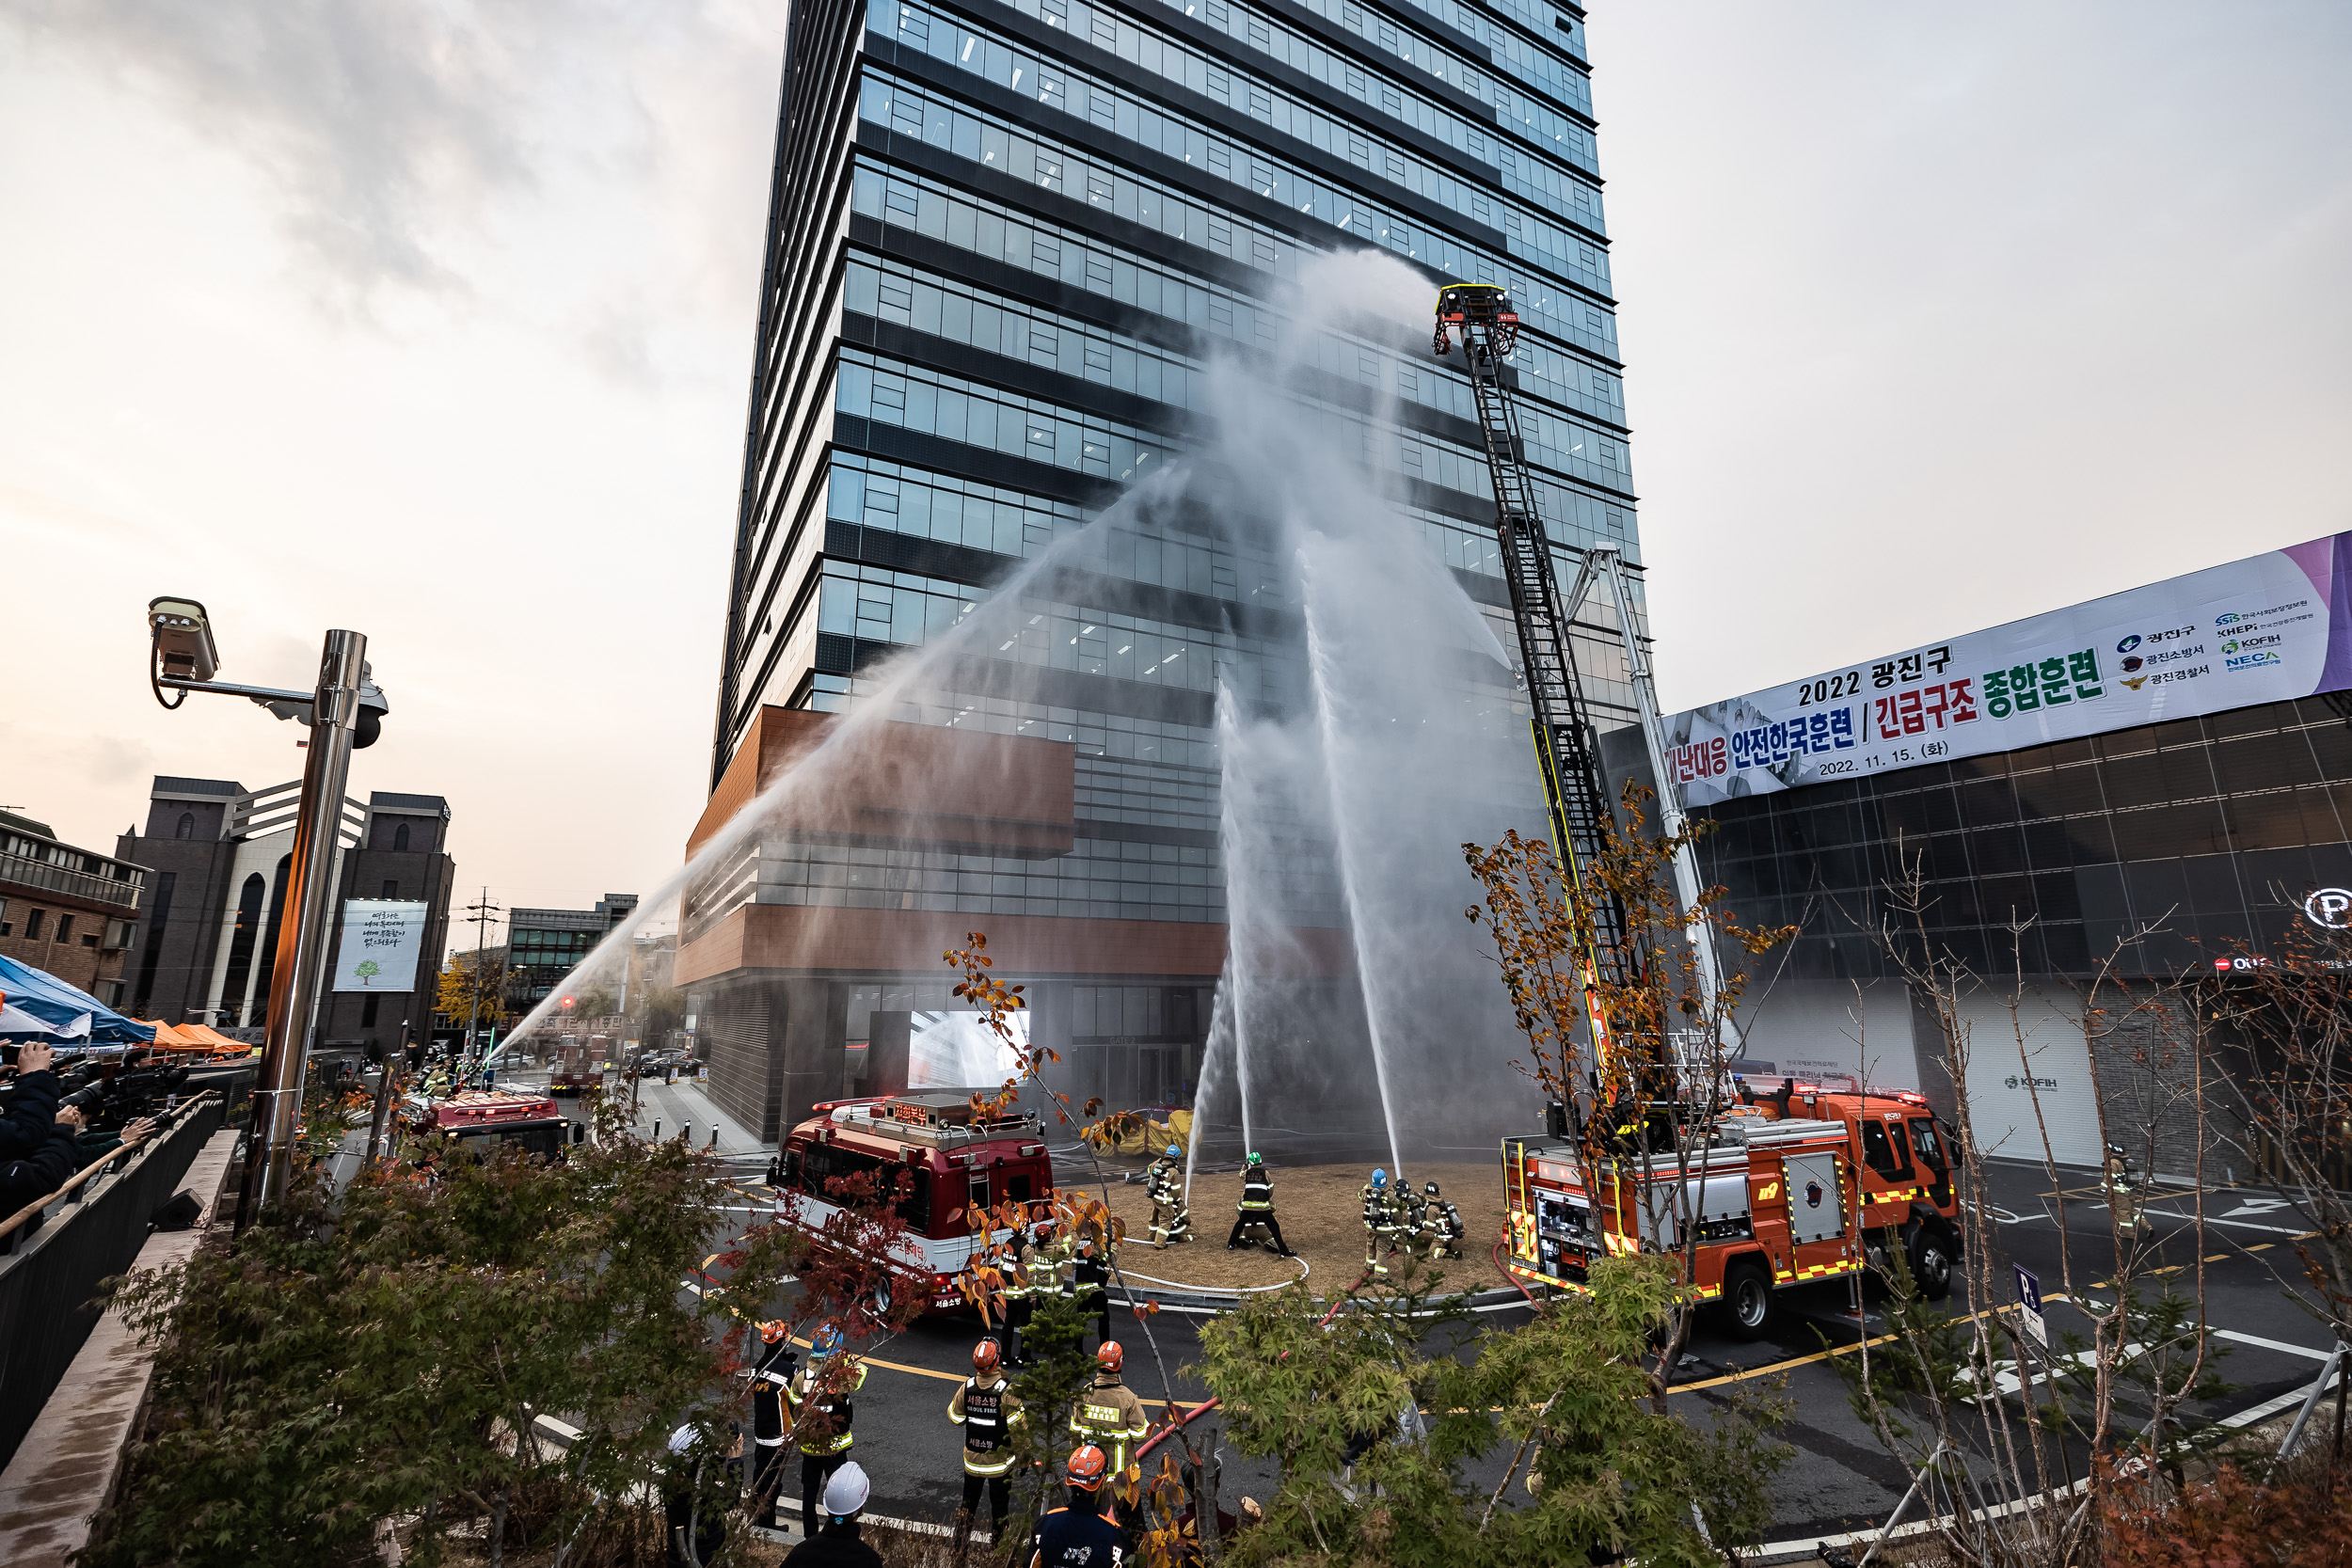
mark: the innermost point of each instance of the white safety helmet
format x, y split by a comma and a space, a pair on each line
846, 1494
682, 1440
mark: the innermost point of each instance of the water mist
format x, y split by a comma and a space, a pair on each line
1364, 734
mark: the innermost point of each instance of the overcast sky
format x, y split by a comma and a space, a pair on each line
433, 321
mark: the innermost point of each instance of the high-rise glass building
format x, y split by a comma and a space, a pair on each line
1005, 239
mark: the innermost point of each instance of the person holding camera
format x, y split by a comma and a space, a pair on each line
32, 1108
36, 1158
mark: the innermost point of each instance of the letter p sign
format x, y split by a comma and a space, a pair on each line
2329, 907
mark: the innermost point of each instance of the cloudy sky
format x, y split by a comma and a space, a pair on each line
433, 321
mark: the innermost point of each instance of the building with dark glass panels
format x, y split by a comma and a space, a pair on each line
545, 946
2128, 851
1005, 237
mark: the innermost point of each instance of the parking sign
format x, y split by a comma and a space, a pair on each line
2030, 1305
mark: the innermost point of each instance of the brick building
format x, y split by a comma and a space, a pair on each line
74, 912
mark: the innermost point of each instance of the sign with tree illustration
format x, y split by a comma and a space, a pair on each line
381, 939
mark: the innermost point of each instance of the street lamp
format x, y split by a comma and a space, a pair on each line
342, 711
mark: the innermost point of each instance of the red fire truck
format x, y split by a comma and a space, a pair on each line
955, 1160
1787, 1189
480, 1117
577, 1065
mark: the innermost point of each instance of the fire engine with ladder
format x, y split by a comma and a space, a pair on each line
1783, 1188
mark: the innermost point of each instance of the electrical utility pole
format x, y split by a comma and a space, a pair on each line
485, 914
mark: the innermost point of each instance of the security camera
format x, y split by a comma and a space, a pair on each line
184, 640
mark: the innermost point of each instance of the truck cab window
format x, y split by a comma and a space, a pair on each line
1931, 1147
1886, 1155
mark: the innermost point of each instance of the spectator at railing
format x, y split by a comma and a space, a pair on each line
90, 1147
42, 1143
28, 1179
32, 1109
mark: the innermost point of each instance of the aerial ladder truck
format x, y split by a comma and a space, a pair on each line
1782, 1189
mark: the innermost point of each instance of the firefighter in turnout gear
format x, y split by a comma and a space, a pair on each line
1031, 1273
772, 1380
1086, 1280
1108, 1415
820, 1410
1256, 1206
1172, 1221
1076, 1535
1407, 1205
1381, 1216
987, 1408
1442, 1227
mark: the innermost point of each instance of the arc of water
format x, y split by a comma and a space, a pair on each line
1227, 1017
1326, 717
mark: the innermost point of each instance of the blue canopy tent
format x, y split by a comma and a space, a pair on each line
58, 1013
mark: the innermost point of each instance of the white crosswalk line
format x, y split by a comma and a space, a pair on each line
2269, 1344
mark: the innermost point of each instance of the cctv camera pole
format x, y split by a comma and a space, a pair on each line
302, 944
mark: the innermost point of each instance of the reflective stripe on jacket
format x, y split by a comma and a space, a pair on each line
987, 1413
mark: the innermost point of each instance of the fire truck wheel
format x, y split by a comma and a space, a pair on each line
1931, 1262
1748, 1299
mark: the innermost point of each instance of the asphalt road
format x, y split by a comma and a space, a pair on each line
1841, 1477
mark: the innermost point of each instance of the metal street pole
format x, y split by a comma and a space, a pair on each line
484, 913
302, 944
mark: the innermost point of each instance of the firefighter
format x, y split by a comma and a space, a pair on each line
1379, 1220
821, 1414
986, 1407
699, 1492
1086, 1280
771, 1383
1441, 1224
1108, 1415
1406, 1209
2122, 1196
1076, 1535
1034, 1268
1257, 1206
1172, 1221
838, 1544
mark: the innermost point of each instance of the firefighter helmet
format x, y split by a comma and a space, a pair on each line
1379, 1176
1256, 1158
1110, 1358
846, 1494
1175, 1153
772, 1330
822, 1343
1430, 1189
985, 1355
1087, 1468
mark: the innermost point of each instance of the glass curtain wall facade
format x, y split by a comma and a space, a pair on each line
1006, 238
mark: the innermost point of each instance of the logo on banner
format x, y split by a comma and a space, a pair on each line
2329, 907
2127, 646
2231, 618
